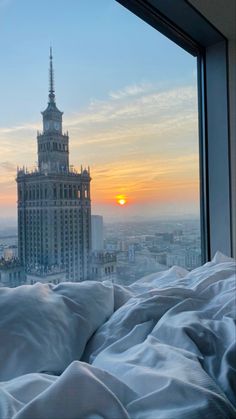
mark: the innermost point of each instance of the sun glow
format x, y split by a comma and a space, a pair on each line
121, 200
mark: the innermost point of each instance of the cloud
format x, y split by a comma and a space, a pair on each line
23, 127
7, 176
156, 105
153, 179
7, 166
142, 140
158, 122
132, 90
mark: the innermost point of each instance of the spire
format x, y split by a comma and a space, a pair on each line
51, 80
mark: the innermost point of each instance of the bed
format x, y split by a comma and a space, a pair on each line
163, 347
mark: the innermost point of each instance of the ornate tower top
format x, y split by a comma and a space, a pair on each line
51, 110
53, 145
51, 80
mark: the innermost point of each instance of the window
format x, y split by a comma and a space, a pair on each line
124, 130
188, 28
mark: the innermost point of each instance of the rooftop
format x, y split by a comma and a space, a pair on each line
9, 264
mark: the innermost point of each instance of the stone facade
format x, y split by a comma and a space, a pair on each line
103, 266
11, 273
54, 206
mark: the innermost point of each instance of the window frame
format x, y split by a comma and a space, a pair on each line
183, 24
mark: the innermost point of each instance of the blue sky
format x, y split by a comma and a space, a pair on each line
105, 60
98, 46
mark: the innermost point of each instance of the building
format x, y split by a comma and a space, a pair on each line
103, 266
54, 207
103, 263
11, 273
53, 278
10, 252
193, 258
97, 233
176, 257
131, 253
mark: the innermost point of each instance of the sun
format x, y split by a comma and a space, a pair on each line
121, 200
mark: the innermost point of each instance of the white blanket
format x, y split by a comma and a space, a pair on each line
167, 352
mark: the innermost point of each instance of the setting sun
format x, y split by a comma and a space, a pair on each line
121, 200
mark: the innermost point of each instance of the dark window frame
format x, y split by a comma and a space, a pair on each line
183, 24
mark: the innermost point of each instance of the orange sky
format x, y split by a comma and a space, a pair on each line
144, 147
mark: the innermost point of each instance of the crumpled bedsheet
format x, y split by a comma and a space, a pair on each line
167, 352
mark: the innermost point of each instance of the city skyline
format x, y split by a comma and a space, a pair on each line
136, 129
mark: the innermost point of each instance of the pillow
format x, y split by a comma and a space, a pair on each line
43, 328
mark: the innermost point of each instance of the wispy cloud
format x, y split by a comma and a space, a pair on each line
18, 128
7, 166
149, 105
131, 90
154, 174
142, 141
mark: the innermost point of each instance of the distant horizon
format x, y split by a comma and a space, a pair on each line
10, 222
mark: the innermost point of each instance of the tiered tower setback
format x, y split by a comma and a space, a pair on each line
54, 206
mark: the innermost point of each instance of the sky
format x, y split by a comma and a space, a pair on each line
129, 98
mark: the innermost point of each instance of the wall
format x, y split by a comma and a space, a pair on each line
222, 14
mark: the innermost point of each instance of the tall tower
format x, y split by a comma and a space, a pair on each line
53, 151
54, 206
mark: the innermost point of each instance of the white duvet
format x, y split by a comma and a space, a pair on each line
164, 347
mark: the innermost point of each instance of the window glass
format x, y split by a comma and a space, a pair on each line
129, 97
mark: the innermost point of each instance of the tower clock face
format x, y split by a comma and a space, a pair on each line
46, 125
56, 125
